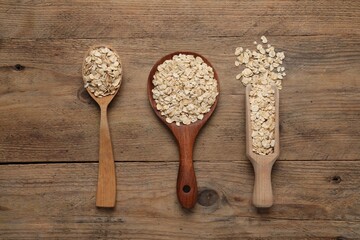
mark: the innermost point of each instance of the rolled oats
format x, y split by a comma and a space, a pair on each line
264, 39
102, 71
184, 89
262, 115
262, 70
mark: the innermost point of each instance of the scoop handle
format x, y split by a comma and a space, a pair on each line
106, 188
262, 195
186, 182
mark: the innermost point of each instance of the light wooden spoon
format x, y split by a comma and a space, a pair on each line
106, 187
262, 195
185, 136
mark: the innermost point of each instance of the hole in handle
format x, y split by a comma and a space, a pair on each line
186, 189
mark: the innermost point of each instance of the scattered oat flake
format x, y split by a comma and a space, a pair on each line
264, 39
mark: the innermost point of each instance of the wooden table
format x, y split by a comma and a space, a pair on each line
49, 125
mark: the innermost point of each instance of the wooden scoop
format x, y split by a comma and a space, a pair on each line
106, 187
262, 195
185, 136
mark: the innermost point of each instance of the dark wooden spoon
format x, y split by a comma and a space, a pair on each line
185, 136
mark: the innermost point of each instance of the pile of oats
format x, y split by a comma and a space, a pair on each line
102, 71
263, 69
184, 89
262, 66
262, 115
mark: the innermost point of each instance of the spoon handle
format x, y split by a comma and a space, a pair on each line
186, 182
262, 195
106, 189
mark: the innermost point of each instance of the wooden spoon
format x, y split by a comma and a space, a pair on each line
262, 195
185, 136
106, 187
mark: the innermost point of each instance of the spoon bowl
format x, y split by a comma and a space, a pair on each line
185, 136
102, 101
106, 187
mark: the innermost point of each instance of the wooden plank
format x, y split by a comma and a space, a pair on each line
169, 19
46, 117
320, 199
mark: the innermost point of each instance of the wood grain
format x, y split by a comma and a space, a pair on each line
320, 200
49, 136
319, 105
106, 187
179, 20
